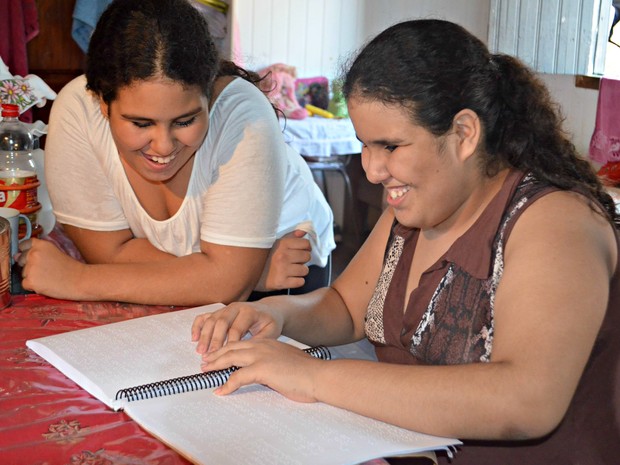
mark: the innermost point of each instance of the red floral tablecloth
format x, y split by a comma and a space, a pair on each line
45, 418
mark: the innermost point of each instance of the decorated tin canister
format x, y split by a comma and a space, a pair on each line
5, 263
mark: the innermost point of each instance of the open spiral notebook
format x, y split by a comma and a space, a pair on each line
253, 425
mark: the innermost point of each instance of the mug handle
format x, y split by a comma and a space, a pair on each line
28, 227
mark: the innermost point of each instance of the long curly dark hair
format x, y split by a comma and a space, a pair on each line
436, 68
140, 39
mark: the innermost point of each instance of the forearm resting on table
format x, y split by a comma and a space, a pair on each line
124, 268
138, 250
472, 401
114, 247
190, 280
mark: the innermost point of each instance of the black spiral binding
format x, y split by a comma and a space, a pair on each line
206, 380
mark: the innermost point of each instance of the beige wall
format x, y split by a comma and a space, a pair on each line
315, 35
578, 105
473, 15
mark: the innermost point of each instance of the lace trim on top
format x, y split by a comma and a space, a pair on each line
374, 314
458, 324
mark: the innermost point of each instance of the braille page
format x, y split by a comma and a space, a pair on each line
256, 425
253, 426
105, 359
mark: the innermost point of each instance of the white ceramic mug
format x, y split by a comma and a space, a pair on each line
13, 215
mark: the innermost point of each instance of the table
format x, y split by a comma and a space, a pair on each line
43, 414
327, 145
47, 418
321, 137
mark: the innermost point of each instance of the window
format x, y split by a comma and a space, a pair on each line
553, 36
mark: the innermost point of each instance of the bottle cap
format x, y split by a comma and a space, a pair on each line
9, 110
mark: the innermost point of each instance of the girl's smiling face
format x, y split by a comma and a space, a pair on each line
157, 125
428, 179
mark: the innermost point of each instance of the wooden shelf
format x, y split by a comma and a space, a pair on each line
587, 82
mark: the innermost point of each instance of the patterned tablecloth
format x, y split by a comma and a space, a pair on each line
45, 418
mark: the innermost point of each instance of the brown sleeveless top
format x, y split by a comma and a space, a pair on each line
449, 320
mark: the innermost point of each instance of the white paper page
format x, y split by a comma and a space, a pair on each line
125, 354
255, 426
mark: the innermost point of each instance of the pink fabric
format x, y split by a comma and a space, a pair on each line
605, 142
18, 24
237, 51
279, 84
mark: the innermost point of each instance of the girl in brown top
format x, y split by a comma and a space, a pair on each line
490, 286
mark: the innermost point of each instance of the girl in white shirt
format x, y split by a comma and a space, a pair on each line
168, 170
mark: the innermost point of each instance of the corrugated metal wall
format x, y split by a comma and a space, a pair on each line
552, 36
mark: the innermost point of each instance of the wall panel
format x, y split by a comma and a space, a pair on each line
310, 35
552, 36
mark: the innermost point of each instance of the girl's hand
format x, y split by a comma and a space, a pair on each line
280, 366
286, 265
232, 323
49, 271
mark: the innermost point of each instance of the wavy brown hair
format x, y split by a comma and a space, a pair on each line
436, 68
140, 39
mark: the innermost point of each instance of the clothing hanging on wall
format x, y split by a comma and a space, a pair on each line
605, 142
19, 23
86, 13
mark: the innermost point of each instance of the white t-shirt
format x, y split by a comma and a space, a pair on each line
247, 186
